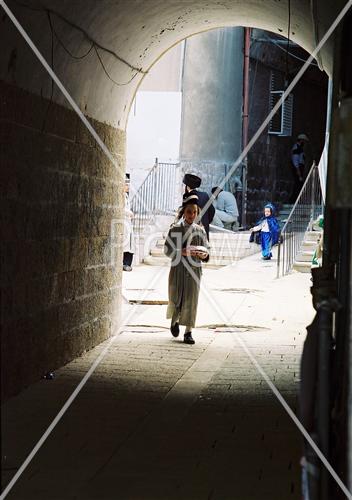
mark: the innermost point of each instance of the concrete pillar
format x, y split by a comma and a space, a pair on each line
211, 126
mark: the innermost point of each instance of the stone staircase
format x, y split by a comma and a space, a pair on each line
225, 248
304, 257
284, 213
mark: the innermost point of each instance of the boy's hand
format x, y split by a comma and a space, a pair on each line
191, 251
202, 255
194, 252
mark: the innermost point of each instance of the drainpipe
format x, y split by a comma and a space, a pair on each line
245, 120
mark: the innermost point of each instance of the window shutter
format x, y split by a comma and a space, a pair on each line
281, 122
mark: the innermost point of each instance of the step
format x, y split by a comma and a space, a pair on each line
232, 240
298, 216
313, 235
234, 243
219, 248
156, 261
214, 261
305, 256
214, 237
242, 235
302, 267
309, 245
226, 255
219, 262
165, 262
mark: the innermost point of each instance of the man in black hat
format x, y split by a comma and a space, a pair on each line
192, 182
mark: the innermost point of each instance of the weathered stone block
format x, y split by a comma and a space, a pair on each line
61, 293
61, 122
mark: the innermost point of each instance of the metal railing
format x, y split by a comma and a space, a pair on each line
308, 206
156, 195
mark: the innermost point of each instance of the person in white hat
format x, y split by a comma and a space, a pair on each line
298, 164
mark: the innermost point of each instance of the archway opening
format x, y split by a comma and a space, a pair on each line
86, 310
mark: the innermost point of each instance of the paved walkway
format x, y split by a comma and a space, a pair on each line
160, 420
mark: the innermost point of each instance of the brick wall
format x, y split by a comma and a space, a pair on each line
270, 175
60, 279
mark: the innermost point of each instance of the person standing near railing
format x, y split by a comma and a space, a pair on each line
298, 162
128, 237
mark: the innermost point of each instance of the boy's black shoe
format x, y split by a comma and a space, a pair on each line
175, 329
188, 339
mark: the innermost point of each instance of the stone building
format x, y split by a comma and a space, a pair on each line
269, 171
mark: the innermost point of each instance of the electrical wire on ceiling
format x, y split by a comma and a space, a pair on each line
291, 54
288, 43
106, 72
94, 45
274, 42
68, 51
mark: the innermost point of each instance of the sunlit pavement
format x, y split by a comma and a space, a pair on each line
162, 420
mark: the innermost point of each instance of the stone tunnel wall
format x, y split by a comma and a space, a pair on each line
60, 285
60, 293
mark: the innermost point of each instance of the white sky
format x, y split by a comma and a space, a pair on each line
154, 128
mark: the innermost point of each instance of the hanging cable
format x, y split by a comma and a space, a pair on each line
93, 46
105, 70
288, 43
278, 45
66, 49
87, 36
291, 54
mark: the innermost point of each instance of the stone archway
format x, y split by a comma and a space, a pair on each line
61, 289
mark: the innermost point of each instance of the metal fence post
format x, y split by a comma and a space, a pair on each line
312, 197
299, 221
278, 260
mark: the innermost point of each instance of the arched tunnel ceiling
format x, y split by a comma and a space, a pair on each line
139, 32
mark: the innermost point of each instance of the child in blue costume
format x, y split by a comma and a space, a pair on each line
269, 231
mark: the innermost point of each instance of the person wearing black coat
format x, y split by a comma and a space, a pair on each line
192, 182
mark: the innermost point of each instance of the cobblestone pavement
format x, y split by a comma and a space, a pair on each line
162, 420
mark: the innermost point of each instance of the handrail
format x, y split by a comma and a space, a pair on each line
310, 173
138, 191
219, 229
307, 207
156, 195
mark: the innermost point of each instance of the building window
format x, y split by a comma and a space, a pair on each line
281, 122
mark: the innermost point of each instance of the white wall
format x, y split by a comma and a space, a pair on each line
154, 122
153, 131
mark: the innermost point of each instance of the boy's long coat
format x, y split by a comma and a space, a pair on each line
183, 284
